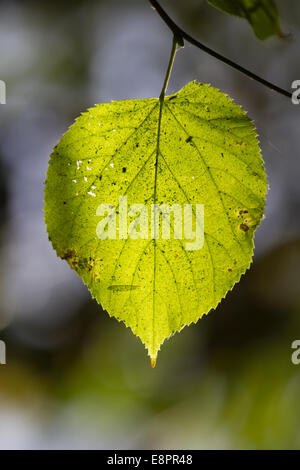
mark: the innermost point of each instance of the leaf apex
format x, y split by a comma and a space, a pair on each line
153, 361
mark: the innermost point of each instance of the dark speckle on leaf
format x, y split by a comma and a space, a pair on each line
122, 288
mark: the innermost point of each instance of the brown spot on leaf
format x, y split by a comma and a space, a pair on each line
71, 257
244, 227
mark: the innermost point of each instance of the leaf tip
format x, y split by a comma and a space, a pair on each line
153, 361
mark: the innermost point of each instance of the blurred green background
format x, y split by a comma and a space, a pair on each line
75, 378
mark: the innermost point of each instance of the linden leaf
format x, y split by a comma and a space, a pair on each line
261, 14
195, 148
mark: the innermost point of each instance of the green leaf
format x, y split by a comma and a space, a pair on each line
261, 14
198, 147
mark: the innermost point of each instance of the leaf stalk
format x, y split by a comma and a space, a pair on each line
169, 69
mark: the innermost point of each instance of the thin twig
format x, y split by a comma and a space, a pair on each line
181, 35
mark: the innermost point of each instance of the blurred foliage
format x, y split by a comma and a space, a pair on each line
239, 389
261, 14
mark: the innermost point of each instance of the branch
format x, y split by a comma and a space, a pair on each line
181, 35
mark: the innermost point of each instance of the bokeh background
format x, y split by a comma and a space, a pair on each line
75, 378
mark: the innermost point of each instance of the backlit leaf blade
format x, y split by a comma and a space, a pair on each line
205, 153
